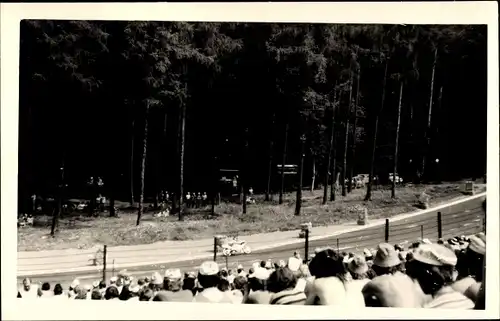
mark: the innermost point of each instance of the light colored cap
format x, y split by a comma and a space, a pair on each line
135, 289
260, 274
282, 263
357, 265
435, 254
269, 264
240, 267
478, 243
294, 264
156, 278
95, 284
386, 256
209, 268
426, 241
75, 283
367, 253
173, 274
113, 279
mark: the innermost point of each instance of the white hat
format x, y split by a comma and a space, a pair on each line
95, 284
113, 279
156, 278
435, 254
269, 264
260, 274
282, 263
75, 283
240, 267
478, 243
173, 274
294, 264
209, 268
367, 253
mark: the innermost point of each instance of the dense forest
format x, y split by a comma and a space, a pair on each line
164, 105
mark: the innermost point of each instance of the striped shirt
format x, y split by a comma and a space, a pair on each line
289, 297
447, 298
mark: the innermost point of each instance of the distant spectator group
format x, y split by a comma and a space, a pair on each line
446, 274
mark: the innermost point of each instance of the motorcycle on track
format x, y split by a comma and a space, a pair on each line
233, 246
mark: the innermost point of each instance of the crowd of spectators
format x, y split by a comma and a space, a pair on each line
446, 274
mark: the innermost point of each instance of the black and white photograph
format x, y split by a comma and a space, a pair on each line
246, 162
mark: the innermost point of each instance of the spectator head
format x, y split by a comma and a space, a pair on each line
113, 280
239, 269
240, 282
173, 280
433, 267
208, 275
358, 268
269, 265
96, 295
95, 285
294, 266
258, 279
81, 294
327, 263
156, 282
134, 291
262, 264
280, 280
189, 284
386, 260
27, 284
111, 293
141, 281
223, 285
440, 241
224, 272
102, 284
473, 258
146, 295
46, 286
392, 290
368, 255
58, 290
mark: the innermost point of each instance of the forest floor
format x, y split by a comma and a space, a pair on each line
85, 232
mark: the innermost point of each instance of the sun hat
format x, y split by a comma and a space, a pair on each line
294, 264
95, 284
113, 279
156, 278
357, 265
259, 274
478, 243
367, 253
75, 283
386, 256
269, 264
209, 268
240, 267
435, 254
173, 274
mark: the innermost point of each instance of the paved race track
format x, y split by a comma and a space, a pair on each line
461, 219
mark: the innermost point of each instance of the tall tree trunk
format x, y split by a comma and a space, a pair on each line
393, 192
244, 181
333, 188
182, 136
313, 182
368, 196
58, 209
282, 186
270, 163
429, 118
298, 202
132, 141
354, 128
328, 172
143, 166
346, 143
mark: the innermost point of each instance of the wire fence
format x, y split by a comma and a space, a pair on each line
432, 226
